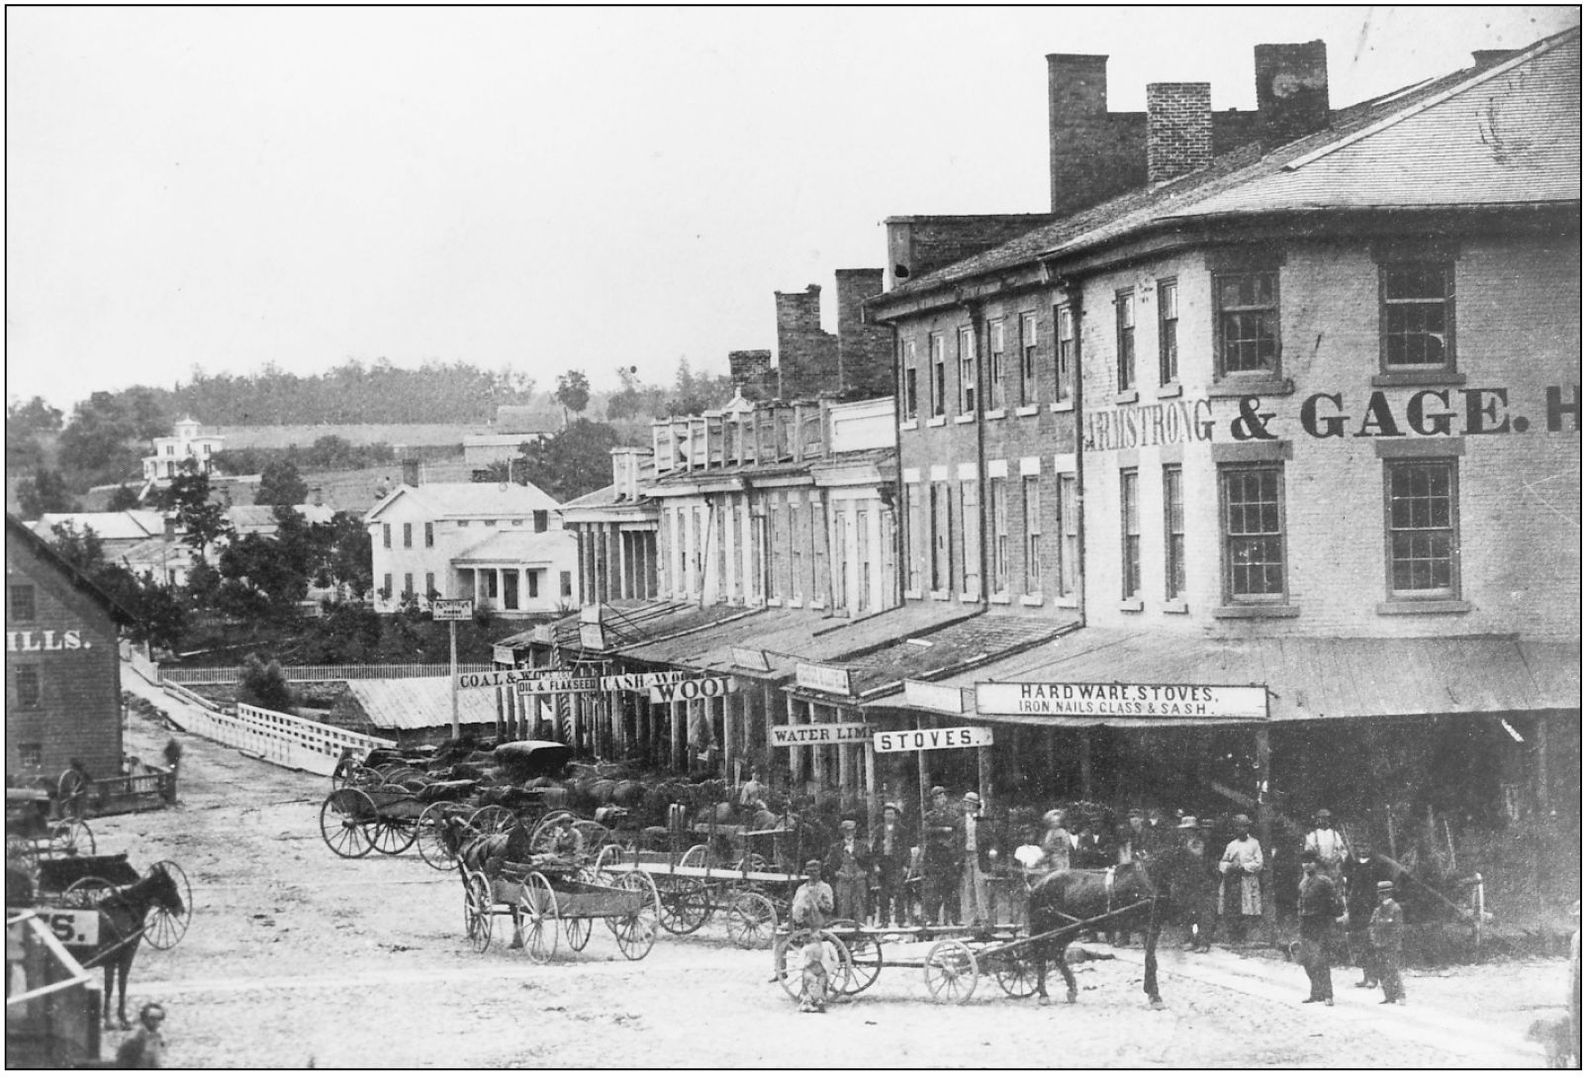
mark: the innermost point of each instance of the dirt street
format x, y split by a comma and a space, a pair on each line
296, 956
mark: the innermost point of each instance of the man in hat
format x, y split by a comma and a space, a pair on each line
145, 1049
1241, 899
1057, 843
808, 913
1134, 843
1318, 904
941, 863
890, 856
973, 841
1384, 936
1199, 883
1328, 845
850, 868
1360, 876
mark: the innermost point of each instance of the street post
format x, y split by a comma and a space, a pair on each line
452, 611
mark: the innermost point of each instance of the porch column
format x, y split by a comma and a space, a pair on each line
985, 773
922, 785
874, 814
1265, 830
797, 760
1084, 760
731, 736
678, 734
819, 765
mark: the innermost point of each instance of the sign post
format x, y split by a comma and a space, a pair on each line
452, 611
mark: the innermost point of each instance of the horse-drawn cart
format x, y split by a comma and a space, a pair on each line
33, 833
84, 882
549, 893
753, 900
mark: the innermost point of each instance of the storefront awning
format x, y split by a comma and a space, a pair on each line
1306, 677
712, 648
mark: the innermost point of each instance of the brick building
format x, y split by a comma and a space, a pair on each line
1284, 399
63, 677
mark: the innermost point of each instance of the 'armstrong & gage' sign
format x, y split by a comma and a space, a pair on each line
1094, 699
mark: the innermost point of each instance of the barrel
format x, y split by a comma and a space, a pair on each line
602, 790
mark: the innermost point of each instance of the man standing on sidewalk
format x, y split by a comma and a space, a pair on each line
1318, 904
1384, 936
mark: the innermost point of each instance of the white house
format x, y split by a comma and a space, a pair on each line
186, 443
502, 544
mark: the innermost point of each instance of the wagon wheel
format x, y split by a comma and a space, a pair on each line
786, 962
392, 836
1015, 971
477, 910
866, 961
593, 835
577, 930
71, 837
752, 920
86, 893
686, 905
163, 928
695, 857
342, 820
636, 932
609, 855
751, 862
428, 835
71, 789
951, 972
493, 820
539, 903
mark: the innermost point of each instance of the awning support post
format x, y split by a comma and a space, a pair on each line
1265, 830
1084, 759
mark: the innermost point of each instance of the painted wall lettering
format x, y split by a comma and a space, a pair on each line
46, 640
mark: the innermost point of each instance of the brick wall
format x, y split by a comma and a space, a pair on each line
1180, 129
1293, 85
917, 245
79, 711
752, 369
866, 350
808, 355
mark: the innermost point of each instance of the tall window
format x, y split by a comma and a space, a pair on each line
819, 546
1130, 536
430, 585
910, 511
796, 574
1174, 534
1249, 322
996, 371
430, 534
1069, 536
29, 690
907, 376
1421, 518
1031, 510
540, 516
566, 582
997, 488
1252, 513
532, 584
697, 553
1028, 389
1125, 339
386, 536
937, 388
408, 584
1417, 313
841, 537
24, 606
408, 535
1169, 332
970, 540
968, 370
863, 562
680, 580
386, 584
940, 536
1065, 350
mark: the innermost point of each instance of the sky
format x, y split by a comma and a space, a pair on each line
577, 188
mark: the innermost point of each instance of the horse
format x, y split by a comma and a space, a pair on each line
484, 853
121, 918
1138, 894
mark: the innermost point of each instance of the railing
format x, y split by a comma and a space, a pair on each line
277, 738
227, 675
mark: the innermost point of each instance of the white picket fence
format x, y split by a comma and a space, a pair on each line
227, 675
285, 740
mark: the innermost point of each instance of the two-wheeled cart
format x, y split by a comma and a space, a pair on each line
549, 896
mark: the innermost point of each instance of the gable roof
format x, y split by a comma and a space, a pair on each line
444, 500
41, 549
520, 546
1505, 135
417, 703
253, 518
134, 524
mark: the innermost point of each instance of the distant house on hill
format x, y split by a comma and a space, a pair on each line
185, 444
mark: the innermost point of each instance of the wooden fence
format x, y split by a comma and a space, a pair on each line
227, 675
277, 738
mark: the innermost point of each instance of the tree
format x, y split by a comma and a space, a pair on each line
44, 492
572, 462
573, 393
261, 682
159, 615
25, 423
123, 497
280, 484
98, 444
188, 497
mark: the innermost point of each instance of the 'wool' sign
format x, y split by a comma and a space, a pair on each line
698, 689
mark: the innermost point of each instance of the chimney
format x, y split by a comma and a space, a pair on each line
411, 472
1180, 129
314, 496
866, 350
1491, 57
808, 355
1293, 90
171, 529
1078, 89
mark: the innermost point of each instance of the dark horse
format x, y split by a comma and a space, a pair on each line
485, 853
121, 919
1134, 897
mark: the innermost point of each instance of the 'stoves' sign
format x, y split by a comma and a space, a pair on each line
953, 737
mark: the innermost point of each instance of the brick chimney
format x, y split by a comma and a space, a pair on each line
1491, 57
866, 350
315, 496
1093, 154
808, 355
1180, 129
411, 472
1293, 82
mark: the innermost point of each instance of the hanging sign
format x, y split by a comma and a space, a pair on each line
750, 659
953, 737
1090, 699
593, 637
75, 928
829, 679
451, 609
698, 689
536, 685
642, 682
835, 733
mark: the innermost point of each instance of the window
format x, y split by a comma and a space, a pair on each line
1249, 322
486, 524
863, 559
1031, 510
491, 583
171, 450
1174, 534
1421, 518
819, 564
386, 536
23, 605
408, 584
721, 539
386, 585
1125, 340
533, 583
566, 581
517, 523
30, 754
1130, 536
25, 676
1253, 520
996, 363
430, 534
1169, 332
1065, 354
408, 534
430, 585
970, 540
910, 512
997, 493
1069, 536
940, 537
1417, 315
937, 388
1028, 379
841, 542
968, 370
463, 523
795, 566
540, 519
907, 377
